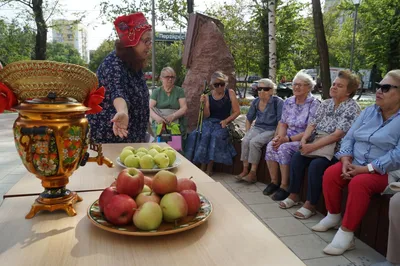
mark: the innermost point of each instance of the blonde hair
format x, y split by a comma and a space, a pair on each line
395, 74
218, 75
167, 69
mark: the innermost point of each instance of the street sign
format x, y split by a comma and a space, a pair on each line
170, 36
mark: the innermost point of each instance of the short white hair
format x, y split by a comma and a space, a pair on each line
307, 79
267, 82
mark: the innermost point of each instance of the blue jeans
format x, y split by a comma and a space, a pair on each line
316, 169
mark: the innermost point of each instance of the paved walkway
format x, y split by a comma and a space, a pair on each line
296, 234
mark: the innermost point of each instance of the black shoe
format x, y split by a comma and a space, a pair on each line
270, 189
280, 195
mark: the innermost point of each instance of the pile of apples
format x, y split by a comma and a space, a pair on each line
146, 202
147, 158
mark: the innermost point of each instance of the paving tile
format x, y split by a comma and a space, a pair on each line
287, 226
254, 197
262, 186
329, 261
306, 246
363, 255
11, 179
239, 187
326, 236
269, 210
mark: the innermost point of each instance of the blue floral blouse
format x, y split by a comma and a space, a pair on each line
120, 82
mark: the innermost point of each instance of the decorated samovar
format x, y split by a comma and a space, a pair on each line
51, 132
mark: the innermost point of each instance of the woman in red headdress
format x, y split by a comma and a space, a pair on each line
125, 114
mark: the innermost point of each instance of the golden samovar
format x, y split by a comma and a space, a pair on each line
51, 133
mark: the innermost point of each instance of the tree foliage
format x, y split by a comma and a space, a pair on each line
16, 42
65, 53
100, 53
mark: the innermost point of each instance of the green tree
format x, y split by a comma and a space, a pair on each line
100, 53
64, 53
16, 42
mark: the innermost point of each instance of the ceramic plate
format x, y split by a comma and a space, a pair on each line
189, 222
155, 169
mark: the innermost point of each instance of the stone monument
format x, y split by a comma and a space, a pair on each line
205, 52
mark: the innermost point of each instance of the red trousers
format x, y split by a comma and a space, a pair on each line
361, 188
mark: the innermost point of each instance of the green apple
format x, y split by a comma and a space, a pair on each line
142, 149
124, 154
146, 162
156, 147
129, 148
167, 148
171, 155
148, 217
153, 152
146, 188
140, 154
132, 161
161, 160
173, 206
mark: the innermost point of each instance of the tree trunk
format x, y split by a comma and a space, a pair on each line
272, 39
41, 33
265, 43
394, 46
322, 47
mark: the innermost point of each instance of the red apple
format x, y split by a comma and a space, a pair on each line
120, 209
164, 182
147, 196
130, 181
193, 201
148, 181
186, 183
105, 197
114, 184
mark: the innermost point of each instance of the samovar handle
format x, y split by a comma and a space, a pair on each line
29, 132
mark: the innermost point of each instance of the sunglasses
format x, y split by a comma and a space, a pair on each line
263, 88
169, 77
385, 87
216, 85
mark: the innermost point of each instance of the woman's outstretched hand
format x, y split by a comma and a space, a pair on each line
120, 124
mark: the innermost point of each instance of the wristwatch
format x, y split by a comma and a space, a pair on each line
371, 169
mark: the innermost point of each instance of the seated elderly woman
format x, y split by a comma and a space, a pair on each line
368, 152
296, 113
220, 108
168, 103
266, 110
332, 120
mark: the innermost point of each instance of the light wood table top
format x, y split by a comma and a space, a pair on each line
231, 236
97, 177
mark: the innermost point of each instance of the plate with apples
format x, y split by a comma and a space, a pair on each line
142, 206
149, 160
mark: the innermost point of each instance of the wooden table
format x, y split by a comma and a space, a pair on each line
96, 177
231, 236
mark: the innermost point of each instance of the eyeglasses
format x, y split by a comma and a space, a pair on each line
299, 85
169, 77
221, 84
147, 42
385, 87
264, 88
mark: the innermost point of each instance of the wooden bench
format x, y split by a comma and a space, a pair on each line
375, 225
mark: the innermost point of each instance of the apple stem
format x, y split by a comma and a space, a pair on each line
191, 177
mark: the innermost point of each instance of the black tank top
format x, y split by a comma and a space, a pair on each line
221, 108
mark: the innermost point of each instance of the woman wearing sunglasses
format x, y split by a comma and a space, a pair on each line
220, 108
170, 101
266, 110
368, 152
330, 123
296, 113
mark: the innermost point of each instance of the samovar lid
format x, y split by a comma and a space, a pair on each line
51, 99
52, 104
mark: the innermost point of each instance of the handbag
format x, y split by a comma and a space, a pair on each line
170, 134
327, 151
